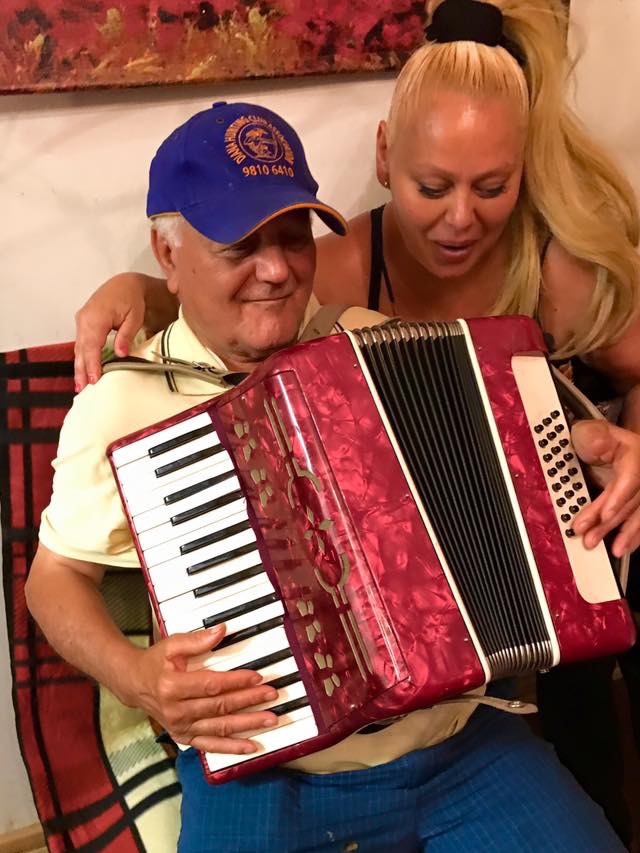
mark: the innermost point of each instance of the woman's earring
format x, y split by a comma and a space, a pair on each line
386, 183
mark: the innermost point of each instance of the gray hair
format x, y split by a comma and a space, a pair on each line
169, 226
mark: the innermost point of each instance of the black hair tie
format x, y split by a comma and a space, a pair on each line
470, 20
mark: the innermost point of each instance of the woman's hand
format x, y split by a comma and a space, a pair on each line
613, 453
126, 303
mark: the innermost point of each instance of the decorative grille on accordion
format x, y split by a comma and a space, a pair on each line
382, 519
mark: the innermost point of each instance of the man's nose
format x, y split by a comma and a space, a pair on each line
460, 210
272, 265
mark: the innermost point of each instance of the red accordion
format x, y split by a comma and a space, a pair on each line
382, 518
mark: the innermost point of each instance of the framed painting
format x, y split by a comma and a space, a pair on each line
50, 45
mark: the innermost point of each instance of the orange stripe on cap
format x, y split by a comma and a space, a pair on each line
299, 206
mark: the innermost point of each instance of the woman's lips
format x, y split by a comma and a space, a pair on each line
453, 252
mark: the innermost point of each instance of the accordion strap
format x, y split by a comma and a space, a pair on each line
322, 322
509, 706
206, 373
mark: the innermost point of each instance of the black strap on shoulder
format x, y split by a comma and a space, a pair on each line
378, 271
544, 248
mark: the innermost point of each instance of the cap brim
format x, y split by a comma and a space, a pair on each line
219, 221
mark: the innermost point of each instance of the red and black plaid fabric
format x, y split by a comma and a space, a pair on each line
80, 804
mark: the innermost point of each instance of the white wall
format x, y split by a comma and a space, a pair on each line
72, 177
74, 167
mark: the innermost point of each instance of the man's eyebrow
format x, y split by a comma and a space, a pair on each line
240, 244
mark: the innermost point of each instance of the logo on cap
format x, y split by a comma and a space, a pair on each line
256, 138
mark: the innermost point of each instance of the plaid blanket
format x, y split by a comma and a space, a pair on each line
99, 779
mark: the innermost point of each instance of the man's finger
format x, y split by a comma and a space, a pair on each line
229, 726
628, 537
228, 702
193, 643
227, 745
595, 441
205, 684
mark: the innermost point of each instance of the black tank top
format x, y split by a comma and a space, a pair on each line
592, 383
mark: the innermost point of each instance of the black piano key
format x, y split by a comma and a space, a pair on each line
263, 662
185, 461
179, 440
209, 506
287, 707
229, 580
180, 495
251, 631
212, 562
212, 538
240, 610
283, 681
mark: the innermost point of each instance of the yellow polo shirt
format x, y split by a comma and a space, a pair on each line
85, 519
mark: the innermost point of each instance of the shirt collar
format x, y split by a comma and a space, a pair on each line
180, 341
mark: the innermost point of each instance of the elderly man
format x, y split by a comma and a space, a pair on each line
230, 196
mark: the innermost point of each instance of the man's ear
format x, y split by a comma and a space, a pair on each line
164, 256
382, 154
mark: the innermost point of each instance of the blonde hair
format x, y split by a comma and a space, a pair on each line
571, 189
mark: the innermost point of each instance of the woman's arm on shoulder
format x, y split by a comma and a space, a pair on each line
342, 268
126, 303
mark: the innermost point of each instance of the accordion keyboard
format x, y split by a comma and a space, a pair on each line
203, 564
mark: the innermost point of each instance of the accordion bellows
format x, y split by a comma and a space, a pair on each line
383, 520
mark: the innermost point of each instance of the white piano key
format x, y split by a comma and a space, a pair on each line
169, 580
240, 654
164, 512
285, 694
244, 590
278, 669
190, 615
144, 470
152, 492
188, 530
140, 448
170, 551
294, 728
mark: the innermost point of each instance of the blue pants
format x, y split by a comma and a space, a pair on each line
492, 788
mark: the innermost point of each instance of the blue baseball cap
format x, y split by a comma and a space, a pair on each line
230, 169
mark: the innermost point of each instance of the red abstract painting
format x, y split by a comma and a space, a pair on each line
50, 45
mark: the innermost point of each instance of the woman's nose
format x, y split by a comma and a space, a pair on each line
460, 210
